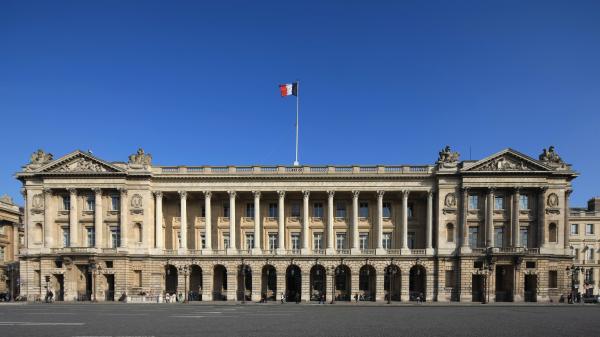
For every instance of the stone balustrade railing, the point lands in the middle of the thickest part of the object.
(217, 170)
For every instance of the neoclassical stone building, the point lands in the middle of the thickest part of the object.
(11, 234)
(584, 224)
(491, 229)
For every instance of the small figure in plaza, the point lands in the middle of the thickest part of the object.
(282, 297)
(297, 298)
(356, 297)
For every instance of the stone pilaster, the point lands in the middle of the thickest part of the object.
(257, 226)
(489, 218)
(464, 225)
(183, 219)
(355, 245)
(158, 227)
(305, 221)
(232, 230)
(429, 223)
(516, 228)
(48, 219)
(124, 218)
(380, 221)
(281, 221)
(73, 219)
(405, 221)
(330, 219)
(98, 218)
(208, 220)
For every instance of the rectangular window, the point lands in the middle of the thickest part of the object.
(203, 211)
(364, 240)
(473, 237)
(473, 201)
(250, 210)
(90, 203)
(226, 241)
(409, 210)
(449, 281)
(552, 279)
(318, 210)
(115, 203)
(499, 236)
(273, 210)
(317, 241)
(340, 209)
(115, 237)
(412, 240)
(499, 202)
(589, 254)
(1, 254)
(363, 209)
(249, 240)
(574, 229)
(202, 240)
(589, 229)
(226, 209)
(296, 209)
(340, 240)
(91, 236)
(386, 240)
(524, 236)
(273, 242)
(387, 209)
(66, 237)
(523, 201)
(37, 278)
(295, 241)
(66, 202)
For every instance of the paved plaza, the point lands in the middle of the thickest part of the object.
(297, 320)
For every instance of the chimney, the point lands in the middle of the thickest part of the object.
(594, 204)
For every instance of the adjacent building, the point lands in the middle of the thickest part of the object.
(495, 229)
(11, 235)
(584, 242)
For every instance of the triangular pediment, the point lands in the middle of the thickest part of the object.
(79, 162)
(507, 160)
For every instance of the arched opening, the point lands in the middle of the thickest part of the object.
(293, 283)
(366, 283)
(552, 233)
(450, 232)
(392, 282)
(317, 282)
(195, 283)
(244, 282)
(39, 232)
(342, 283)
(269, 283)
(137, 232)
(171, 279)
(220, 283)
(417, 283)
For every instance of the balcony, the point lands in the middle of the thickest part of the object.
(79, 250)
(318, 251)
(294, 170)
(293, 219)
(293, 252)
(367, 251)
(342, 251)
(418, 252)
(393, 251)
(247, 219)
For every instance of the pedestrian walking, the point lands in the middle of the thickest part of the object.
(282, 297)
(297, 298)
(356, 297)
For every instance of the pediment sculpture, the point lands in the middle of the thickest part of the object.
(505, 163)
(81, 164)
(140, 158)
(448, 158)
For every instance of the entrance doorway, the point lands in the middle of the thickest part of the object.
(293, 283)
(504, 283)
(417, 283)
(530, 288)
(366, 282)
(244, 283)
(171, 280)
(478, 288)
(220, 283)
(109, 293)
(59, 287)
(342, 283)
(317, 282)
(195, 283)
(392, 282)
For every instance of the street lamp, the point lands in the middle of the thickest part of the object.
(184, 270)
(486, 270)
(391, 271)
(573, 270)
(334, 271)
(47, 289)
(243, 270)
(94, 269)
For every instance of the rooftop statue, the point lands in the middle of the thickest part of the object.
(140, 158)
(447, 158)
(40, 157)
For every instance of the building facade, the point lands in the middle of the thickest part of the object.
(494, 229)
(11, 235)
(584, 224)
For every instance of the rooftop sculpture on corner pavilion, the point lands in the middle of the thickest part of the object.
(447, 158)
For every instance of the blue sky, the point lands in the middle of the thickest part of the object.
(391, 82)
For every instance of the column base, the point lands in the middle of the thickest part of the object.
(207, 251)
(330, 251)
(232, 251)
(405, 251)
(256, 251)
(381, 251)
(280, 251)
(305, 251)
(182, 251)
(429, 251)
(355, 251)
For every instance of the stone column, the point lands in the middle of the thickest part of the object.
(330, 219)
(516, 230)
(158, 228)
(26, 221)
(257, 232)
(429, 228)
(405, 221)
(305, 221)
(183, 219)
(48, 219)
(489, 218)
(541, 220)
(281, 221)
(380, 220)
(232, 232)
(566, 211)
(73, 219)
(123, 213)
(355, 245)
(208, 220)
(98, 218)
(464, 226)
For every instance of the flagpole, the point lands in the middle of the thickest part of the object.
(296, 162)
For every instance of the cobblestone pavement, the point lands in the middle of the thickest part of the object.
(290, 319)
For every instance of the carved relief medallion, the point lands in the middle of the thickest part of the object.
(450, 200)
(552, 200)
(136, 201)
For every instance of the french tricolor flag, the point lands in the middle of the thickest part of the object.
(289, 89)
